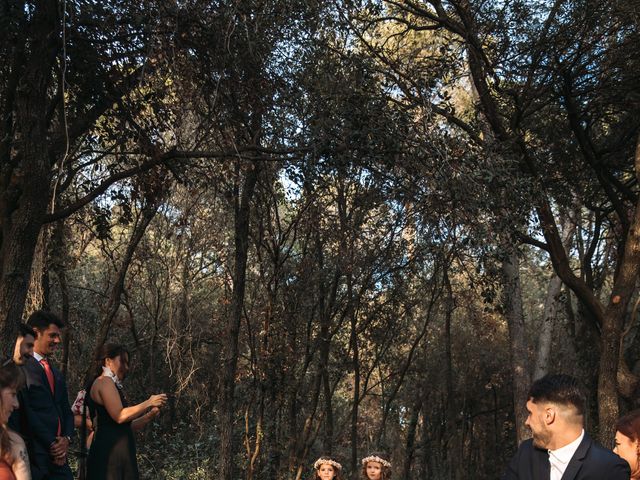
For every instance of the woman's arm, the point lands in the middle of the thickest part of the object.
(20, 465)
(141, 422)
(104, 391)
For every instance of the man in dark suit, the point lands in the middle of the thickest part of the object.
(560, 449)
(44, 418)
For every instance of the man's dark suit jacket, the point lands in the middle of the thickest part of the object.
(37, 419)
(590, 462)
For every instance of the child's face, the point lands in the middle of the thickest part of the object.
(374, 471)
(326, 472)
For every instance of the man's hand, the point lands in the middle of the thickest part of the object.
(59, 449)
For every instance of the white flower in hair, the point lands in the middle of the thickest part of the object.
(375, 458)
(326, 461)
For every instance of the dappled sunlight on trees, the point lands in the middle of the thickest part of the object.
(328, 227)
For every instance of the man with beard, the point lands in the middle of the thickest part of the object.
(23, 348)
(560, 448)
(44, 418)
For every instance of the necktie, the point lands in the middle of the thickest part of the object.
(49, 374)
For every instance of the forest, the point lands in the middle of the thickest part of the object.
(319, 226)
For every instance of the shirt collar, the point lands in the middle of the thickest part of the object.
(564, 454)
(37, 356)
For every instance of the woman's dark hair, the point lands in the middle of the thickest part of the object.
(629, 426)
(10, 377)
(385, 473)
(329, 458)
(108, 350)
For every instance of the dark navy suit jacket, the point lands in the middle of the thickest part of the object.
(37, 418)
(590, 462)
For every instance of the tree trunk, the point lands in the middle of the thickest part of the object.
(613, 321)
(517, 338)
(551, 307)
(253, 451)
(448, 360)
(113, 305)
(411, 440)
(64, 294)
(545, 337)
(242, 210)
(326, 303)
(356, 390)
(25, 182)
(35, 299)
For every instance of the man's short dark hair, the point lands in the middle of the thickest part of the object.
(24, 330)
(41, 320)
(559, 389)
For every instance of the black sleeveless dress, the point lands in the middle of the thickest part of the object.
(112, 455)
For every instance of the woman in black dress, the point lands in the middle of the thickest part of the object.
(113, 452)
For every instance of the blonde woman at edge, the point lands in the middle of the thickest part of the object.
(14, 462)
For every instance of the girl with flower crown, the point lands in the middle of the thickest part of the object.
(376, 467)
(327, 468)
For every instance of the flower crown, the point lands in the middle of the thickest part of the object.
(326, 461)
(375, 458)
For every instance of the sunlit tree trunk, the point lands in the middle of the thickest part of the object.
(551, 307)
(517, 338)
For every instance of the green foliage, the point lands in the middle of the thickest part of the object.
(387, 195)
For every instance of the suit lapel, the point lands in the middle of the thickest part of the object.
(541, 466)
(575, 464)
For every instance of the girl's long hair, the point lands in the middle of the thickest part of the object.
(10, 377)
(385, 471)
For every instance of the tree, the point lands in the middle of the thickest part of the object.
(518, 84)
(65, 65)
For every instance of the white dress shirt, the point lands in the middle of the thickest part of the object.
(560, 458)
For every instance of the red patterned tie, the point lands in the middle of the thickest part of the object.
(49, 374)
